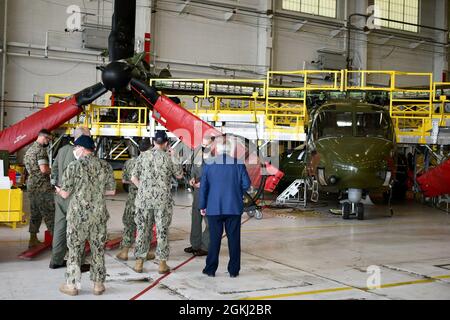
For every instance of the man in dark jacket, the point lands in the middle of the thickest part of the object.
(223, 184)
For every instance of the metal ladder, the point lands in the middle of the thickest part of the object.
(296, 193)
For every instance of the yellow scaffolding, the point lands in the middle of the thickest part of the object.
(91, 117)
(415, 101)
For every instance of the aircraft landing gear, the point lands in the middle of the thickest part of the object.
(346, 210)
(349, 209)
(353, 206)
(360, 211)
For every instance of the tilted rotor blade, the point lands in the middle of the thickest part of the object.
(121, 39)
(26, 131)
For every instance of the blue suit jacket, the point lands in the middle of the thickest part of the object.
(222, 186)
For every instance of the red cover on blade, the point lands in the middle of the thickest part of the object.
(26, 131)
(190, 129)
(436, 181)
(186, 126)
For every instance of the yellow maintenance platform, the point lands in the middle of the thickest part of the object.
(276, 108)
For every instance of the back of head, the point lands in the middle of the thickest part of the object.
(145, 145)
(81, 131)
(85, 142)
(161, 137)
(45, 132)
(176, 100)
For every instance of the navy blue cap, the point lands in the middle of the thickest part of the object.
(161, 137)
(85, 142)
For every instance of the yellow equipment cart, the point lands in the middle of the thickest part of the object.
(11, 207)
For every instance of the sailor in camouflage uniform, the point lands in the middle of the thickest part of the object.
(59, 244)
(87, 181)
(130, 209)
(153, 175)
(38, 186)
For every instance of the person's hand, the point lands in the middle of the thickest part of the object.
(203, 212)
(58, 189)
(192, 182)
(197, 185)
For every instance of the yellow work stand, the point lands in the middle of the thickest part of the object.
(11, 207)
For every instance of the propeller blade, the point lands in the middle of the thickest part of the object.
(89, 95)
(121, 39)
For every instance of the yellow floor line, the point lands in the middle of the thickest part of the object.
(285, 295)
(442, 277)
(388, 285)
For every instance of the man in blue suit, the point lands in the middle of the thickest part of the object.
(222, 186)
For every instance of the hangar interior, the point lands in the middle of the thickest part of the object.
(344, 104)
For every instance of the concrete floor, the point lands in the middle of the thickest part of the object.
(286, 255)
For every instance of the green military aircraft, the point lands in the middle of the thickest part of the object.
(350, 150)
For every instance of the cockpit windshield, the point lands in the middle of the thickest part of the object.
(334, 124)
(375, 124)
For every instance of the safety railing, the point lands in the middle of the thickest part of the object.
(118, 121)
(415, 101)
(80, 120)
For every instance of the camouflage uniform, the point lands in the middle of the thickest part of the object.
(129, 226)
(39, 188)
(87, 180)
(154, 202)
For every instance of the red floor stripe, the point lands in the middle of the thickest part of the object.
(162, 277)
(155, 283)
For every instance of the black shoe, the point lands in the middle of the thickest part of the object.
(209, 274)
(57, 266)
(189, 250)
(85, 267)
(234, 275)
(200, 253)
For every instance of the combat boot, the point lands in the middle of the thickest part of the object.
(69, 289)
(163, 267)
(33, 241)
(123, 254)
(150, 255)
(139, 267)
(99, 288)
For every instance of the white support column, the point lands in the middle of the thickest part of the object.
(153, 31)
(440, 61)
(265, 35)
(143, 18)
(359, 42)
(3, 70)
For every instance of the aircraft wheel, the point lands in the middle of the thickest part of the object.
(346, 209)
(258, 214)
(360, 211)
(251, 214)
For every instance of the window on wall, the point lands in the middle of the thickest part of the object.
(326, 8)
(399, 10)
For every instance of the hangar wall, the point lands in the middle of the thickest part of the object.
(203, 39)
